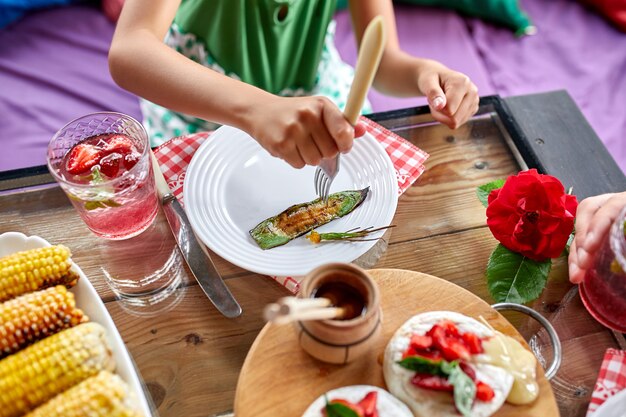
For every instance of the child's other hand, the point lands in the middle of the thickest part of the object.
(303, 130)
(452, 96)
(594, 217)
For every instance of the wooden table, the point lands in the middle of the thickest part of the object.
(190, 356)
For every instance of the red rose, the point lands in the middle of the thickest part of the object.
(532, 215)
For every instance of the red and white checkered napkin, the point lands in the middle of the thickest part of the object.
(408, 160)
(611, 379)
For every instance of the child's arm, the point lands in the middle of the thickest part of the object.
(452, 97)
(299, 130)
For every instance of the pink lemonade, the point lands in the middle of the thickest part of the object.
(109, 180)
(603, 290)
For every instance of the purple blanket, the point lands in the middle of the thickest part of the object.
(53, 68)
(575, 50)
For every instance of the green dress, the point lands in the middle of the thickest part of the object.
(285, 47)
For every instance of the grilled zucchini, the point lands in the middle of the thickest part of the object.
(302, 218)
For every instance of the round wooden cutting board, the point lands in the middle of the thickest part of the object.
(279, 379)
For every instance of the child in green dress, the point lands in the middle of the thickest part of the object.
(268, 67)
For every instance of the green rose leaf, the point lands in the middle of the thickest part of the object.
(484, 190)
(514, 278)
(464, 390)
(339, 410)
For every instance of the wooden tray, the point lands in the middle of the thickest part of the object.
(279, 378)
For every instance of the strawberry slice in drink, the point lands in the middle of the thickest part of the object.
(110, 164)
(131, 160)
(82, 158)
(121, 144)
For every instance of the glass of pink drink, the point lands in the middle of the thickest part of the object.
(603, 291)
(102, 162)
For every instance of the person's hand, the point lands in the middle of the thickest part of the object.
(452, 96)
(594, 217)
(303, 130)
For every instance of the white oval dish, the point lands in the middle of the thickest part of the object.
(88, 300)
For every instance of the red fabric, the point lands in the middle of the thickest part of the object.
(611, 379)
(613, 10)
(532, 215)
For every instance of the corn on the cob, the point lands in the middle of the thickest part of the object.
(35, 269)
(103, 395)
(34, 316)
(34, 375)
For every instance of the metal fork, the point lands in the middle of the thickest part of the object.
(324, 176)
(370, 51)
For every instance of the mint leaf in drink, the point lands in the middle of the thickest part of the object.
(96, 176)
(464, 390)
(484, 190)
(92, 205)
(103, 199)
(514, 278)
(338, 410)
(96, 204)
(111, 203)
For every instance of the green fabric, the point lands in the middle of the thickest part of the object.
(333, 80)
(272, 44)
(504, 12)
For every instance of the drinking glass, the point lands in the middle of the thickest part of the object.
(116, 207)
(603, 290)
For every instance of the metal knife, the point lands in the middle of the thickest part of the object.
(198, 260)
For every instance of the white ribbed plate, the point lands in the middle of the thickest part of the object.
(88, 300)
(232, 184)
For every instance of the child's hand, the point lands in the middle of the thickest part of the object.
(452, 97)
(594, 217)
(303, 130)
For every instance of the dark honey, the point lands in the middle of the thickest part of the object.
(343, 296)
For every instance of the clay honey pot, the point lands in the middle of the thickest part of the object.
(341, 340)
